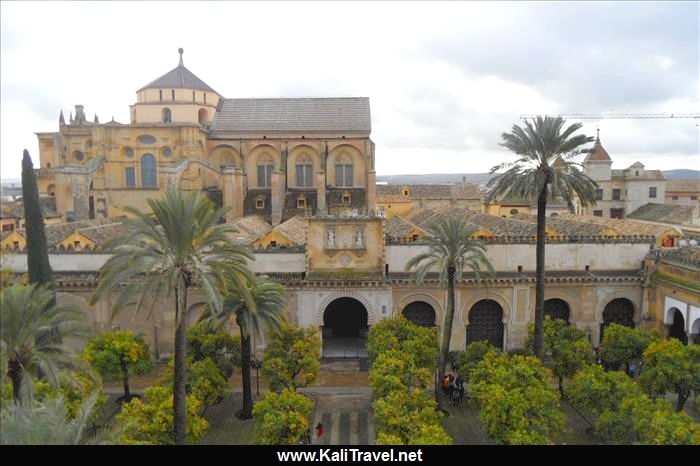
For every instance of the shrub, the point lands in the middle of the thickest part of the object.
(394, 370)
(204, 381)
(472, 356)
(206, 341)
(293, 358)
(283, 419)
(151, 422)
(621, 345)
(405, 417)
(518, 405)
(400, 334)
(74, 388)
(117, 355)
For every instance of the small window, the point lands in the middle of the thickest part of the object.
(514, 211)
(652, 192)
(173, 94)
(167, 116)
(616, 194)
(8, 227)
(48, 165)
(597, 213)
(304, 175)
(273, 244)
(675, 198)
(146, 139)
(598, 194)
(405, 193)
(415, 238)
(193, 96)
(301, 203)
(160, 94)
(636, 173)
(693, 198)
(167, 152)
(15, 244)
(346, 199)
(129, 152)
(260, 204)
(76, 244)
(78, 155)
(205, 97)
(129, 177)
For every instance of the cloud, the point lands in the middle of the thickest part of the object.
(445, 79)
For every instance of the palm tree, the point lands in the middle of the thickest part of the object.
(268, 314)
(545, 169)
(48, 424)
(450, 251)
(27, 313)
(179, 245)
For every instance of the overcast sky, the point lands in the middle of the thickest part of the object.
(444, 79)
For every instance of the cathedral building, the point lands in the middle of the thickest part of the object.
(274, 157)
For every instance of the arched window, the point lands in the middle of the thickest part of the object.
(265, 167)
(167, 116)
(304, 168)
(148, 171)
(343, 172)
(203, 116)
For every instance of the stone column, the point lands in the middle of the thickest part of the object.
(371, 191)
(321, 192)
(277, 196)
(233, 193)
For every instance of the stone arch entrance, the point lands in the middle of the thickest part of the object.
(677, 328)
(618, 311)
(345, 326)
(557, 308)
(486, 323)
(420, 313)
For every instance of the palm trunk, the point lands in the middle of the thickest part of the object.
(561, 387)
(682, 398)
(247, 410)
(539, 276)
(180, 377)
(14, 372)
(125, 379)
(446, 332)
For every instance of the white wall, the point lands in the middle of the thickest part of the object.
(507, 257)
(264, 263)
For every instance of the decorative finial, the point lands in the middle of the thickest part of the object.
(61, 119)
(597, 138)
(181, 51)
(97, 120)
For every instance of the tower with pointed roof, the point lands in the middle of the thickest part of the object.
(598, 164)
(177, 97)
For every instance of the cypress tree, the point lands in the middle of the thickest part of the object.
(37, 250)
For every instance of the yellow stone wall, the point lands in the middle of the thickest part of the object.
(344, 254)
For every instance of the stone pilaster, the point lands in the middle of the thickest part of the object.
(277, 196)
(233, 192)
(321, 192)
(371, 191)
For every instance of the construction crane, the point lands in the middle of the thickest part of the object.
(619, 116)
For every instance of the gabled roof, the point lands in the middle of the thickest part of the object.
(250, 228)
(598, 154)
(459, 191)
(294, 229)
(179, 78)
(294, 114)
(683, 186)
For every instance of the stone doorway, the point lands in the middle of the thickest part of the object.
(345, 329)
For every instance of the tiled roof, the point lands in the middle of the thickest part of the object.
(294, 229)
(628, 175)
(250, 228)
(460, 191)
(687, 254)
(16, 209)
(599, 154)
(665, 213)
(398, 227)
(499, 226)
(293, 114)
(568, 226)
(683, 186)
(178, 78)
(624, 227)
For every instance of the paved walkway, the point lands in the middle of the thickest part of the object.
(346, 415)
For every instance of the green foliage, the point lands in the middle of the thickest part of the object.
(26, 313)
(518, 405)
(74, 388)
(394, 370)
(283, 418)
(469, 359)
(408, 417)
(568, 347)
(151, 423)
(48, 423)
(206, 341)
(402, 335)
(403, 360)
(641, 420)
(670, 366)
(37, 249)
(205, 382)
(596, 390)
(293, 358)
(621, 345)
(118, 354)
